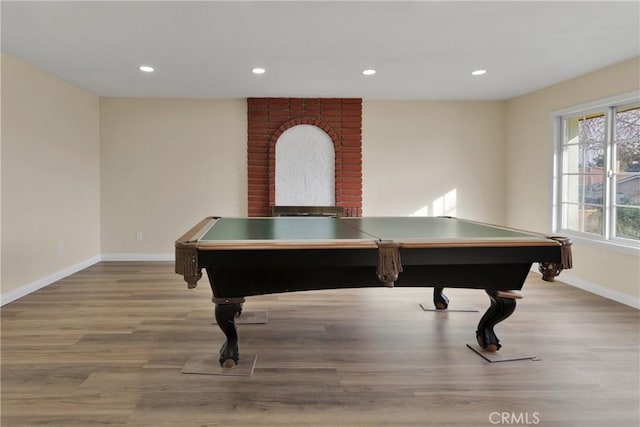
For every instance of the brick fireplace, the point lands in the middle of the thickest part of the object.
(269, 118)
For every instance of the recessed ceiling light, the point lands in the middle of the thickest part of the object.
(146, 68)
(258, 70)
(369, 72)
(478, 72)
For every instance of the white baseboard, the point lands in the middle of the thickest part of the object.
(585, 285)
(138, 257)
(24, 290)
(611, 294)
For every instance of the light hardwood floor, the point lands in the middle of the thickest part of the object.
(106, 346)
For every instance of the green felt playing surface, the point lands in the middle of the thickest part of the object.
(432, 228)
(283, 228)
(369, 229)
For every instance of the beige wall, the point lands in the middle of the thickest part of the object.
(50, 175)
(1, 61)
(434, 158)
(529, 170)
(166, 164)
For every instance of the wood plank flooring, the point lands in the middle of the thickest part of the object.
(106, 346)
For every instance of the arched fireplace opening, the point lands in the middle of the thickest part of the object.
(305, 168)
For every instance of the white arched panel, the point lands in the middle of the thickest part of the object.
(305, 167)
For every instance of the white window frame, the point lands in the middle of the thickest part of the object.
(607, 239)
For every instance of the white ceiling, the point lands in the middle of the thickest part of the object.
(422, 50)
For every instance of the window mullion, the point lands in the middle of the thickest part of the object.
(606, 209)
(609, 222)
(560, 171)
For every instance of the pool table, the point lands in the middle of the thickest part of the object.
(255, 256)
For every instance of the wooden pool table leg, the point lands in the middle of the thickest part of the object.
(227, 310)
(440, 300)
(503, 304)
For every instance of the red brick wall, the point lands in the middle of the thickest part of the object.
(340, 118)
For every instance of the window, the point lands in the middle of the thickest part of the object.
(597, 175)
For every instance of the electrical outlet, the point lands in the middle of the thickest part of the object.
(138, 236)
(60, 249)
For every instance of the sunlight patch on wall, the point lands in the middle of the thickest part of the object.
(423, 211)
(446, 204)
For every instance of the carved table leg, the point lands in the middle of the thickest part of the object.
(440, 300)
(503, 303)
(226, 312)
(549, 270)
